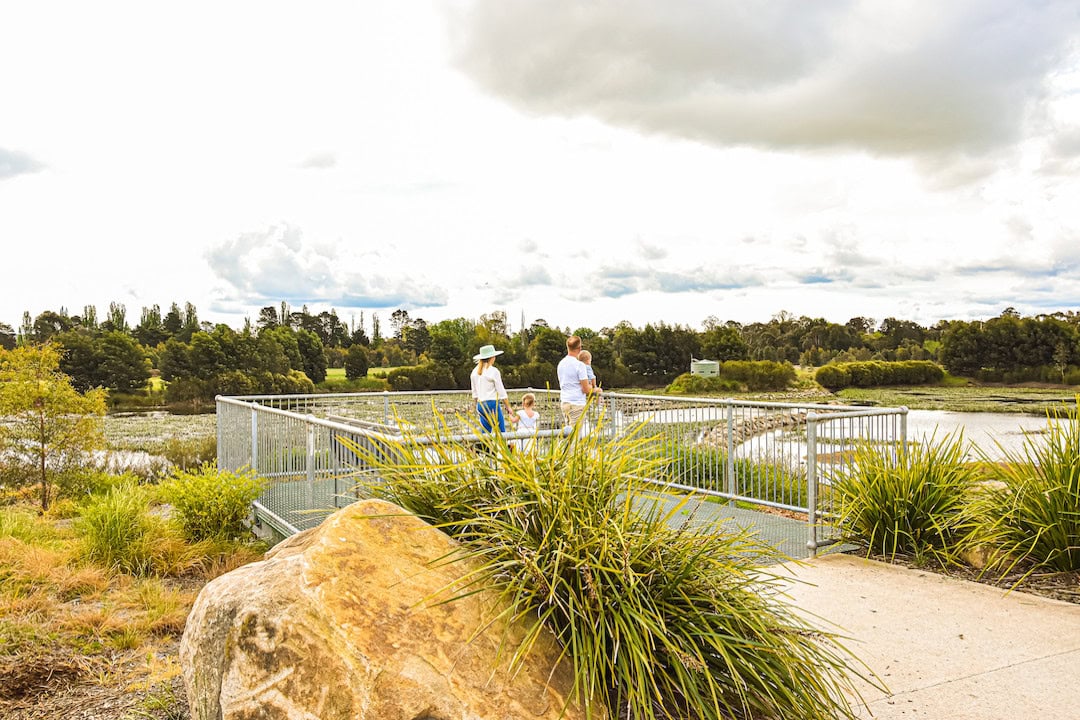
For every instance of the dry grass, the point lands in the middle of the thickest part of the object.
(70, 629)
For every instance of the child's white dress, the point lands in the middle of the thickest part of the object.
(531, 424)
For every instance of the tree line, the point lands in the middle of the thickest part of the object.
(285, 350)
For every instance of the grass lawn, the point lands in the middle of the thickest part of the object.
(337, 382)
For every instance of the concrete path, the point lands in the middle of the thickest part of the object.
(947, 649)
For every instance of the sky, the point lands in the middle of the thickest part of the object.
(580, 162)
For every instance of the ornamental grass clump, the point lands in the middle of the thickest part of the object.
(659, 619)
(1033, 517)
(908, 500)
(118, 531)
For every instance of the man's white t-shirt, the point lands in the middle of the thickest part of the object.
(571, 372)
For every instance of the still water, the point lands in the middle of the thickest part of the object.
(993, 433)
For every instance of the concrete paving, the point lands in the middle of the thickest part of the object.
(947, 649)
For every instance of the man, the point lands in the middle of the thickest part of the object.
(574, 385)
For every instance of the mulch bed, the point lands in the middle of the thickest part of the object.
(1062, 586)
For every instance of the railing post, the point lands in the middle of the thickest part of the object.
(311, 460)
(254, 439)
(729, 461)
(386, 407)
(811, 484)
(220, 411)
(903, 429)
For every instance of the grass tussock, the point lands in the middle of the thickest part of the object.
(659, 620)
(907, 500)
(1031, 517)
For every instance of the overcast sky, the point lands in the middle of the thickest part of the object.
(581, 162)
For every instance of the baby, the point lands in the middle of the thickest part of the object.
(586, 357)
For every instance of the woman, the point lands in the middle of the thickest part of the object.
(488, 390)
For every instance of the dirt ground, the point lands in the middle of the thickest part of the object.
(52, 687)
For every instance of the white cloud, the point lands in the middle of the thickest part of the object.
(279, 264)
(13, 162)
(906, 79)
(582, 162)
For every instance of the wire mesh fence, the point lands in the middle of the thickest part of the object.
(765, 463)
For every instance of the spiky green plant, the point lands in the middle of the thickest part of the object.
(659, 619)
(908, 501)
(1033, 517)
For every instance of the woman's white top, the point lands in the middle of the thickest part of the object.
(488, 386)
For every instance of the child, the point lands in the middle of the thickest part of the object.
(527, 419)
(586, 357)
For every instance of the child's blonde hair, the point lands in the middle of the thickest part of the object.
(527, 400)
(585, 356)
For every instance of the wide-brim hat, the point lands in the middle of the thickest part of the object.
(487, 351)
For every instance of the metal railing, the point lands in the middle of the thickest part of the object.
(772, 457)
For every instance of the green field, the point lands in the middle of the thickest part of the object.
(337, 382)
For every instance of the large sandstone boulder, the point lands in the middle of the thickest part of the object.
(343, 621)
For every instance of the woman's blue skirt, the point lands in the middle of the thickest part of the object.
(491, 414)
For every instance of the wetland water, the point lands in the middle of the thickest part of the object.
(990, 432)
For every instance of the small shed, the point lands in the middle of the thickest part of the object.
(705, 368)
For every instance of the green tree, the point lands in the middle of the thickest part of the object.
(963, 348)
(399, 320)
(445, 349)
(207, 357)
(123, 365)
(175, 360)
(312, 356)
(548, 346)
(111, 360)
(356, 362)
(723, 342)
(190, 323)
(49, 324)
(150, 331)
(173, 322)
(117, 319)
(47, 420)
(417, 337)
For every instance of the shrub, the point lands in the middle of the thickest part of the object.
(833, 377)
(233, 382)
(759, 375)
(210, 503)
(657, 621)
(687, 384)
(1035, 516)
(874, 373)
(429, 376)
(908, 501)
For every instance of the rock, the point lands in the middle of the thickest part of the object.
(343, 621)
